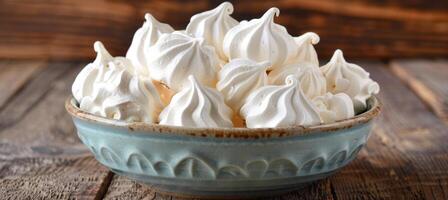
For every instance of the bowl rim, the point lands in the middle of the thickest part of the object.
(243, 133)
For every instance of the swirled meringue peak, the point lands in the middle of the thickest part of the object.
(95, 71)
(305, 48)
(279, 106)
(349, 78)
(238, 78)
(145, 37)
(213, 25)
(108, 87)
(312, 81)
(197, 106)
(260, 40)
(177, 55)
(334, 107)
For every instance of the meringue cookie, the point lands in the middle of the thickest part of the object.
(95, 71)
(312, 81)
(305, 48)
(349, 78)
(238, 78)
(177, 55)
(260, 40)
(197, 106)
(279, 106)
(213, 25)
(108, 87)
(334, 107)
(145, 37)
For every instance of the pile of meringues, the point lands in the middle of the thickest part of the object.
(219, 72)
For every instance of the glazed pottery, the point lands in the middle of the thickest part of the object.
(223, 162)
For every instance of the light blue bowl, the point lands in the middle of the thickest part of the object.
(223, 162)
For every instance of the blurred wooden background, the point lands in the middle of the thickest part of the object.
(378, 29)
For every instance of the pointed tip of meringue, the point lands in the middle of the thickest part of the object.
(148, 17)
(338, 56)
(100, 49)
(102, 55)
(312, 37)
(226, 6)
(98, 46)
(271, 13)
(338, 52)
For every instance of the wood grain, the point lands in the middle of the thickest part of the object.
(64, 29)
(428, 79)
(123, 188)
(13, 75)
(40, 154)
(405, 156)
(362, 28)
(52, 178)
(406, 122)
(32, 93)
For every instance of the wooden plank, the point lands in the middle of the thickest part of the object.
(29, 30)
(40, 155)
(362, 28)
(405, 156)
(13, 75)
(77, 177)
(392, 175)
(124, 188)
(428, 79)
(30, 95)
(406, 121)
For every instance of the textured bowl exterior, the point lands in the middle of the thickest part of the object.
(221, 166)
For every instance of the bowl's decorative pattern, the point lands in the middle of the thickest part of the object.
(216, 166)
(192, 166)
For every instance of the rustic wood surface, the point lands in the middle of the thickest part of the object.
(42, 158)
(428, 79)
(40, 154)
(13, 77)
(66, 29)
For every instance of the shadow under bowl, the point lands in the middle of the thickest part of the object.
(223, 162)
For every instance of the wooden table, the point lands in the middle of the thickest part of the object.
(41, 157)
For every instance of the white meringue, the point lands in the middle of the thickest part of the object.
(334, 107)
(145, 37)
(305, 49)
(109, 88)
(279, 106)
(238, 78)
(312, 81)
(260, 40)
(177, 55)
(213, 25)
(95, 71)
(349, 78)
(197, 106)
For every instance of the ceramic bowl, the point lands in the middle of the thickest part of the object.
(223, 162)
